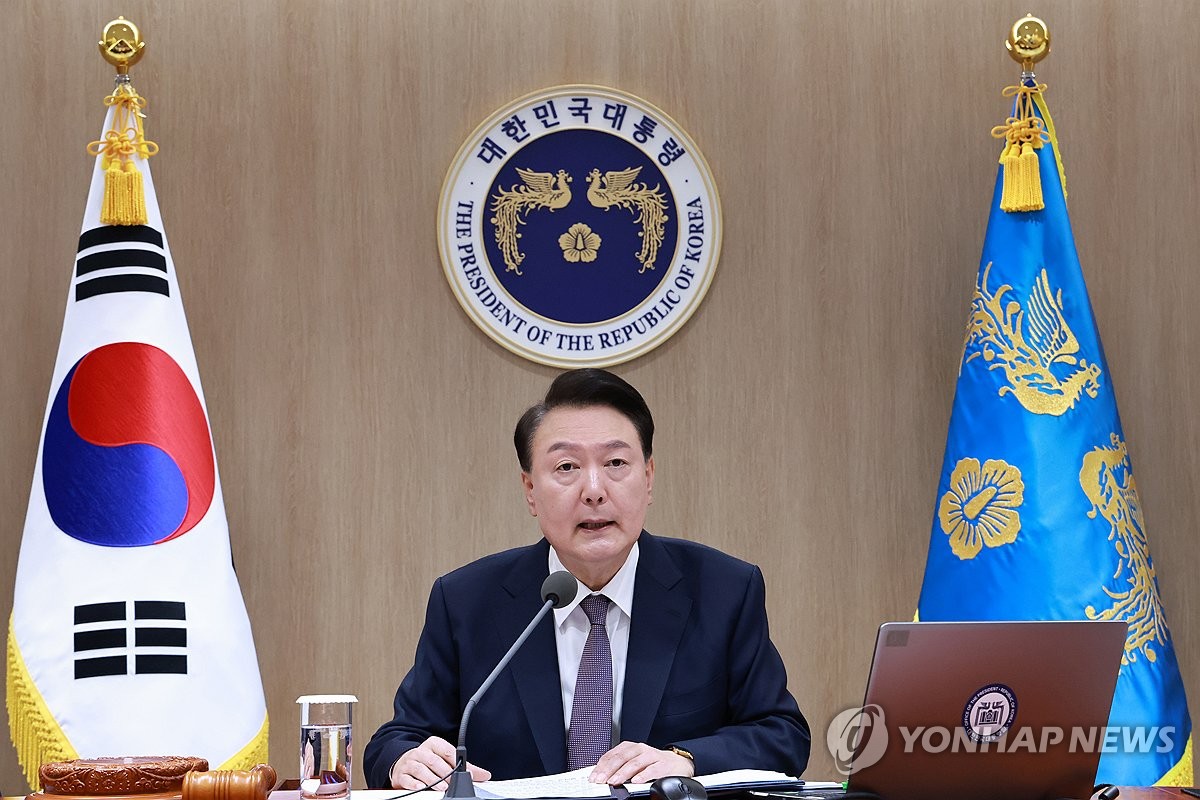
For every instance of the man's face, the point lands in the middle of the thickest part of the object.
(589, 486)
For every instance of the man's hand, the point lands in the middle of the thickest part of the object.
(635, 762)
(429, 764)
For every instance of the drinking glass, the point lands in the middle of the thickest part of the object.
(325, 752)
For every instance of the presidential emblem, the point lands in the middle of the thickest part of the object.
(579, 226)
(989, 713)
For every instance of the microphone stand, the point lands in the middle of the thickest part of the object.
(460, 783)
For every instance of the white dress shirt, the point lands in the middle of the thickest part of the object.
(571, 630)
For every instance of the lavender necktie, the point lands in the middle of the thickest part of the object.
(590, 734)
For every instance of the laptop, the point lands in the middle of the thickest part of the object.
(985, 710)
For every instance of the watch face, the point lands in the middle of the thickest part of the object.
(579, 226)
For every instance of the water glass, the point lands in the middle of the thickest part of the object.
(325, 725)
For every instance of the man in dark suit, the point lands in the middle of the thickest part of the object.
(661, 666)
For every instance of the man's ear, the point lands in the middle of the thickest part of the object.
(650, 480)
(527, 482)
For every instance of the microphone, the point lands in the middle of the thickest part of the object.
(558, 590)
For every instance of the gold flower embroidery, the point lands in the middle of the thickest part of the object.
(579, 243)
(981, 506)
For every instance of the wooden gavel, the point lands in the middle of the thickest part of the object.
(233, 784)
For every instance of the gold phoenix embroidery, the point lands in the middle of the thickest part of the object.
(1107, 479)
(617, 188)
(981, 505)
(579, 243)
(541, 190)
(1025, 342)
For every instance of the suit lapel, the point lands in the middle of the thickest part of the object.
(660, 611)
(534, 668)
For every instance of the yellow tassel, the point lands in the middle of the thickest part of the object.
(1024, 134)
(1031, 179)
(124, 195)
(1022, 179)
(124, 200)
(1011, 163)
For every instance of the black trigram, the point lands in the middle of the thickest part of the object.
(157, 649)
(123, 267)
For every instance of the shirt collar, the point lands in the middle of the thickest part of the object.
(619, 590)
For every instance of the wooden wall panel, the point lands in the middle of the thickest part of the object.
(362, 423)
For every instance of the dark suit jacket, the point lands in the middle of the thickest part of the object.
(701, 674)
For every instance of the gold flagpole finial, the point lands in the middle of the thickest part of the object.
(121, 44)
(1028, 42)
(124, 142)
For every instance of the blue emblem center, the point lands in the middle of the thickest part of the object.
(580, 262)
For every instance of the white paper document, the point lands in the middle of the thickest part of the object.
(564, 784)
(576, 784)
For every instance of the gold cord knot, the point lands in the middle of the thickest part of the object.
(124, 141)
(1025, 134)
(1025, 127)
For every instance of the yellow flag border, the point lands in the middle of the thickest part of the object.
(1040, 102)
(1182, 774)
(254, 753)
(35, 733)
(39, 739)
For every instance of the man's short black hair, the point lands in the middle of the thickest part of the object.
(582, 388)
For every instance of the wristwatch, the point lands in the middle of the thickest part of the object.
(679, 751)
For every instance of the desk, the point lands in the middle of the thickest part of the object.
(1127, 793)
(1152, 793)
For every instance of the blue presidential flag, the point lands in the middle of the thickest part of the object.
(1037, 512)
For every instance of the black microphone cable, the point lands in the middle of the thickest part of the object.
(427, 787)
